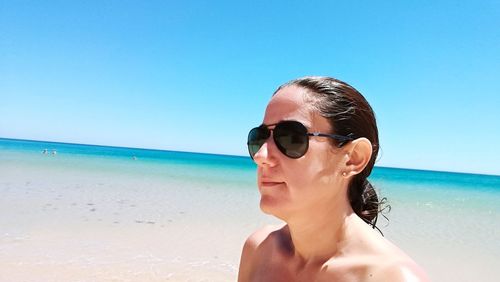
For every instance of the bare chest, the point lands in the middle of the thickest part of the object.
(285, 270)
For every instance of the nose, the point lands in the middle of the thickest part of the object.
(265, 156)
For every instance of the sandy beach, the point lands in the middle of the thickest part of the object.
(63, 226)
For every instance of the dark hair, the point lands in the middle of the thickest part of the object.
(349, 114)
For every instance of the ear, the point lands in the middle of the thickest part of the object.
(358, 155)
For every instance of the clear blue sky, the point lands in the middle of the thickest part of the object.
(197, 75)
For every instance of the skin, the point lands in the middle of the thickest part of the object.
(323, 239)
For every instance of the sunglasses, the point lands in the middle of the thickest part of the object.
(291, 138)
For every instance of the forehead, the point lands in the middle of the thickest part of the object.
(290, 103)
(287, 103)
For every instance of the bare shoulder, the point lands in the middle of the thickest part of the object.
(371, 257)
(372, 269)
(249, 253)
(393, 264)
(389, 263)
(256, 238)
(400, 270)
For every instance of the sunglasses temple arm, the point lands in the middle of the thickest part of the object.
(334, 136)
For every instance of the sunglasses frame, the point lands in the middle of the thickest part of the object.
(341, 138)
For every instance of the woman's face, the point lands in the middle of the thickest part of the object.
(289, 186)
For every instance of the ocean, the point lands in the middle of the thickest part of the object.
(179, 215)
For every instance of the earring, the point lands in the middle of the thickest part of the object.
(344, 174)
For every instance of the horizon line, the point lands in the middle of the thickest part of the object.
(226, 155)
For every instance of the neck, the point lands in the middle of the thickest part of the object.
(319, 239)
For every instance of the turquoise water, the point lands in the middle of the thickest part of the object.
(130, 161)
(416, 186)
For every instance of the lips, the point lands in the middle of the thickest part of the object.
(269, 179)
(269, 183)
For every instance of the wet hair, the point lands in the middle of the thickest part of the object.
(349, 114)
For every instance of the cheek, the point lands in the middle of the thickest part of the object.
(306, 177)
(316, 174)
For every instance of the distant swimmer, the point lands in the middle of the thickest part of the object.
(54, 152)
(134, 158)
(45, 151)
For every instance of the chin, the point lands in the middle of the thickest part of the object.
(272, 207)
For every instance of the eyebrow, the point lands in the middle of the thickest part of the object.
(306, 124)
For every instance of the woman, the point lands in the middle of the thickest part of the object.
(314, 151)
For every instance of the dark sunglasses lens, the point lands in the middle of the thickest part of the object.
(256, 138)
(291, 138)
